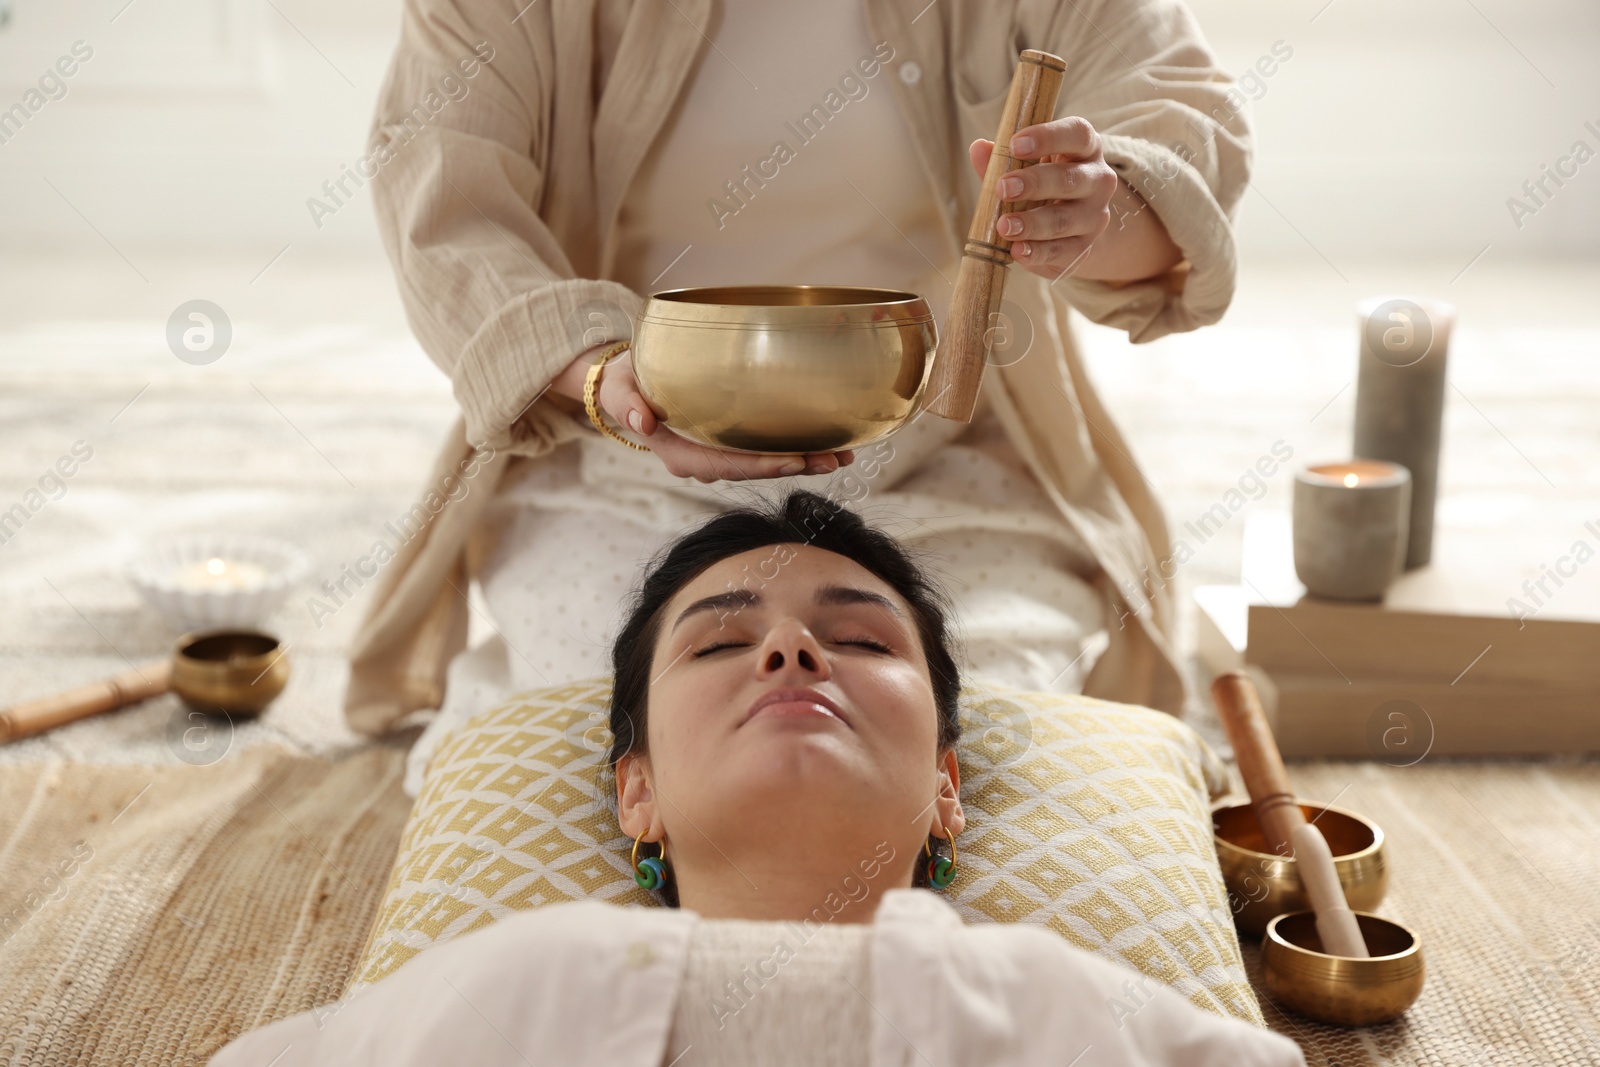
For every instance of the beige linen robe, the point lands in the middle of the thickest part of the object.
(592, 983)
(506, 136)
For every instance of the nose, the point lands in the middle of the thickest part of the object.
(791, 647)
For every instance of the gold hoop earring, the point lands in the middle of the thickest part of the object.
(650, 872)
(941, 871)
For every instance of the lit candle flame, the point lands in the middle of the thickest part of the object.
(1351, 480)
(215, 565)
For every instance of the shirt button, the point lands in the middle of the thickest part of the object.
(640, 955)
(910, 72)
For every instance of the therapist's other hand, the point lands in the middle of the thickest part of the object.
(1070, 181)
(619, 397)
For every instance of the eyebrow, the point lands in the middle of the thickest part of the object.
(736, 599)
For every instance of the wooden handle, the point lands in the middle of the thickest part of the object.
(45, 713)
(1282, 822)
(1260, 765)
(952, 390)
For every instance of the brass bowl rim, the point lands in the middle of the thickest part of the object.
(684, 295)
(840, 306)
(1272, 935)
(787, 327)
(241, 664)
(1348, 857)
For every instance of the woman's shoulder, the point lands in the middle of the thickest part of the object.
(593, 929)
(1031, 953)
(922, 909)
(1055, 992)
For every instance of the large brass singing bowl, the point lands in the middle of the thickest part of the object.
(1342, 990)
(784, 368)
(1262, 885)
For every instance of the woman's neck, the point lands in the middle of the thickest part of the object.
(828, 885)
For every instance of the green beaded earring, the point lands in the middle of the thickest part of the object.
(942, 870)
(650, 872)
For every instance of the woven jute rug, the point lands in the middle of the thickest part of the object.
(150, 915)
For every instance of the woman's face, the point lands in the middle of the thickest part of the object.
(726, 777)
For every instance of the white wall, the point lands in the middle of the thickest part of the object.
(1395, 130)
(1400, 127)
(197, 123)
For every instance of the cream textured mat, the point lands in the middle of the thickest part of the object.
(173, 908)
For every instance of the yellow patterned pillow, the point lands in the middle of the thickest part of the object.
(1085, 816)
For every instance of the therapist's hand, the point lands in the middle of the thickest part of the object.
(620, 398)
(1075, 195)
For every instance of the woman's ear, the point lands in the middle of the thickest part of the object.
(636, 798)
(947, 806)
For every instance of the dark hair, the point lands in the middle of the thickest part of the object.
(801, 517)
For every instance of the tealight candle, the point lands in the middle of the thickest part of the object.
(219, 575)
(1351, 524)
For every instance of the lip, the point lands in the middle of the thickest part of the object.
(805, 694)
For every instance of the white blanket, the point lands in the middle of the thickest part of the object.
(594, 983)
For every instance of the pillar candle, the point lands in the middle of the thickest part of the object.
(1400, 399)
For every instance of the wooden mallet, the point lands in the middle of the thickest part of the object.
(952, 390)
(46, 713)
(1282, 822)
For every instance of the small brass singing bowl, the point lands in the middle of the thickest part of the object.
(1262, 884)
(784, 368)
(231, 672)
(1342, 990)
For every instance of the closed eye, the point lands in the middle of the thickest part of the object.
(865, 642)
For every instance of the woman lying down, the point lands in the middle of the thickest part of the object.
(784, 722)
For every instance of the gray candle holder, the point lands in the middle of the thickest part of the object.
(1400, 400)
(1351, 526)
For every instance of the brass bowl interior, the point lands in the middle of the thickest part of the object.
(1347, 833)
(229, 648)
(785, 295)
(1385, 939)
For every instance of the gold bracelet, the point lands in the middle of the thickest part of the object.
(591, 385)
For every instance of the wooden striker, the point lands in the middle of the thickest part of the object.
(952, 390)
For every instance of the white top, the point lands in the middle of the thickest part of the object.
(852, 207)
(588, 982)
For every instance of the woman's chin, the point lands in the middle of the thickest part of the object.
(789, 754)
